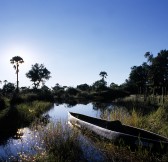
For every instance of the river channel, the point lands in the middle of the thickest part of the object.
(58, 112)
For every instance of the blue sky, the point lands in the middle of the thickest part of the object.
(76, 39)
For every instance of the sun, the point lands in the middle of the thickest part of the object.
(7, 71)
(19, 50)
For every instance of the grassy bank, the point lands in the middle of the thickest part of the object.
(154, 120)
(152, 115)
(24, 106)
(30, 111)
(20, 115)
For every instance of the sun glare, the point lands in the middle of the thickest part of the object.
(26, 54)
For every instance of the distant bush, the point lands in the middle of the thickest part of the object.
(72, 91)
(84, 95)
(83, 87)
(110, 94)
(45, 95)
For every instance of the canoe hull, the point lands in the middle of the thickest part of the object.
(134, 142)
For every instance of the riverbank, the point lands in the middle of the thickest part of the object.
(20, 115)
(155, 120)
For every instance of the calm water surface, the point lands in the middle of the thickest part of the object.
(57, 112)
(61, 111)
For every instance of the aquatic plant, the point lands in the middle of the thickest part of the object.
(55, 142)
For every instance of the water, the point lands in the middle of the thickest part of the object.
(61, 111)
(56, 113)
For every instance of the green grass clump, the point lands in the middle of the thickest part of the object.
(124, 153)
(155, 121)
(32, 110)
(3, 113)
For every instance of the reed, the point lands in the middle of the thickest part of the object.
(124, 153)
(55, 143)
(155, 121)
(31, 110)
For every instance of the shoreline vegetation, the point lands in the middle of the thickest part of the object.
(20, 116)
(60, 140)
(23, 109)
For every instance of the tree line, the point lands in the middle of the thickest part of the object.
(37, 74)
(151, 77)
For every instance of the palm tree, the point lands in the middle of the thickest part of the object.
(16, 61)
(103, 74)
(5, 81)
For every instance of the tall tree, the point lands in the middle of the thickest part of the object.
(158, 70)
(103, 74)
(139, 76)
(16, 60)
(151, 75)
(38, 74)
(149, 57)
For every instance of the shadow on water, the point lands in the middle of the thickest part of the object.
(9, 126)
(12, 122)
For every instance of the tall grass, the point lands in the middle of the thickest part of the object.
(4, 105)
(155, 121)
(56, 143)
(125, 154)
(30, 111)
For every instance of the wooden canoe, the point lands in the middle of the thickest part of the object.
(120, 133)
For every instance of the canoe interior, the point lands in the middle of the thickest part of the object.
(117, 126)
